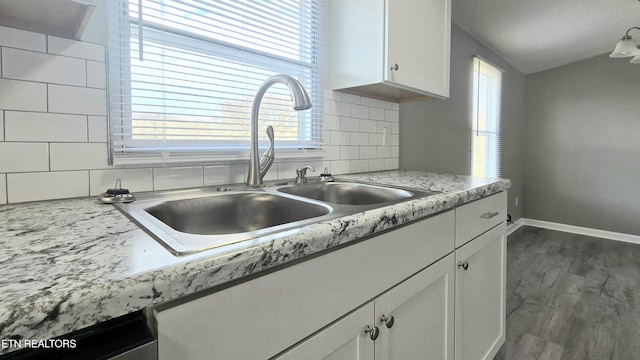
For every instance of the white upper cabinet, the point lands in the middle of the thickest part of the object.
(391, 49)
(64, 18)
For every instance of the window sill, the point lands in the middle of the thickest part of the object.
(209, 159)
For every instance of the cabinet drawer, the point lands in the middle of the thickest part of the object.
(479, 216)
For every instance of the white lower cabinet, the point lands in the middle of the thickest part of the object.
(480, 296)
(260, 318)
(417, 296)
(414, 320)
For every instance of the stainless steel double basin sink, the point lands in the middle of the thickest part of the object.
(190, 221)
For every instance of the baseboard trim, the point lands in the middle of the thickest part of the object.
(610, 235)
(511, 228)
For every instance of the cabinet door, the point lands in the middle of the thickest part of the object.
(480, 296)
(344, 340)
(422, 309)
(418, 41)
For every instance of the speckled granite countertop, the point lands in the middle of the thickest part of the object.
(69, 264)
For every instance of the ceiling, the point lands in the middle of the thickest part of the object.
(536, 35)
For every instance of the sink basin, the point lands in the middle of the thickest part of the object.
(233, 213)
(348, 193)
(190, 221)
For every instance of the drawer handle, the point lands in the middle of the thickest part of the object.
(464, 265)
(489, 215)
(372, 331)
(387, 320)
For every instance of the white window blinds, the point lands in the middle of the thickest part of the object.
(183, 74)
(486, 108)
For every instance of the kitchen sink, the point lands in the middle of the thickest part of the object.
(233, 213)
(190, 221)
(347, 193)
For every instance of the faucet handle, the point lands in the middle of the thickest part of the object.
(301, 174)
(266, 160)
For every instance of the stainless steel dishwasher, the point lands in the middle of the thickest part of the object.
(124, 338)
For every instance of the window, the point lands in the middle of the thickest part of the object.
(486, 103)
(183, 74)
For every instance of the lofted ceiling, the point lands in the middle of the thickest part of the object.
(536, 35)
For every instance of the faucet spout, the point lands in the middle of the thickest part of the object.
(258, 167)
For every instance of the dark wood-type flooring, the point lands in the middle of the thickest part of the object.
(571, 297)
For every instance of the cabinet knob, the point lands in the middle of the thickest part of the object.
(464, 265)
(387, 320)
(372, 331)
(395, 67)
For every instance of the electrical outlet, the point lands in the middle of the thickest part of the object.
(386, 136)
(516, 201)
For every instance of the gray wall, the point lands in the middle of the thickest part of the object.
(435, 135)
(582, 153)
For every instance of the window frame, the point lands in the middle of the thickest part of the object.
(309, 142)
(492, 76)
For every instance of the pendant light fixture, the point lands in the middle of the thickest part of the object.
(626, 47)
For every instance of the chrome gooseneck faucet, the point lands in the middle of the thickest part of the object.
(259, 167)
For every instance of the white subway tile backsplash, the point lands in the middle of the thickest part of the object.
(78, 49)
(97, 128)
(178, 177)
(395, 140)
(136, 180)
(376, 164)
(339, 108)
(368, 152)
(375, 139)
(23, 157)
(224, 174)
(78, 156)
(340, 138)
(395, 151)
(77, 100)
(358, 138)
(358, 166)
(23, 95)
(22, 39)
(381, 125)
(96, 75)
(331, 151)
(368, 126)
(385, 104)
(33, 126)
(331, 122)
(349, 152)
(287, 170)
(359, 111)
(53, 121)
(376, 113)
(41, 67)
(3, 188)
(391, 163)
(349, 124)
(337, 167)
(369, 102)
(47, 185)
(392, 115)
(383, 152)
(352, 99)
